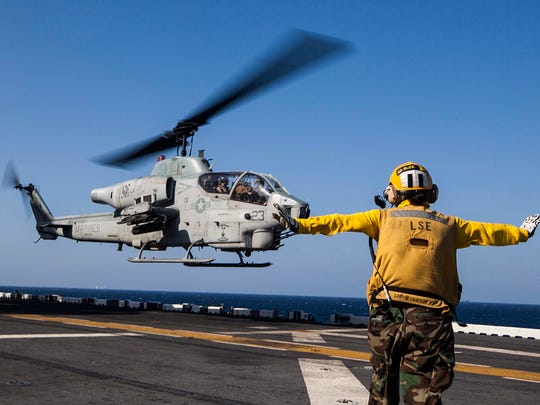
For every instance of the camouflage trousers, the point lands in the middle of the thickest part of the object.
(412, 351)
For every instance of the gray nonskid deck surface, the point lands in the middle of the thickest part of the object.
(47, 361)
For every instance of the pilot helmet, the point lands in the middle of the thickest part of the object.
(411, 180)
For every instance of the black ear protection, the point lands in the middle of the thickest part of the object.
(433, 194)
(395, 197)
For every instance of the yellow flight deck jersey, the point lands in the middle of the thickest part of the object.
(416, 250)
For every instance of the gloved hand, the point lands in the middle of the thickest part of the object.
(285, 219)
(530, 223)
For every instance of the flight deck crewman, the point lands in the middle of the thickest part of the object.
(414, 287)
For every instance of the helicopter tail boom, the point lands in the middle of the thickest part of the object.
(42, 213)
(79, 227)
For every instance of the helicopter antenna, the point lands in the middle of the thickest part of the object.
(178, 144)
(190, 147)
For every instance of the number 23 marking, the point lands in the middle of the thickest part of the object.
(257, 215)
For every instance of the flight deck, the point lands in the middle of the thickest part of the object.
(96, 356)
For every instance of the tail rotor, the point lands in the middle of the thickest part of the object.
(12, 180)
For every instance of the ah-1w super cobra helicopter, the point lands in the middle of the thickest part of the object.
(184, 203)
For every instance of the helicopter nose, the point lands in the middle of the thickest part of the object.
(300, 211)
(296, 207)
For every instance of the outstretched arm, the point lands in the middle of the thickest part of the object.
(285, 219)
(530, 223)
(366, 222)
(487, 234)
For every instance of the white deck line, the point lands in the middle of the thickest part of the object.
(525, 333)
(331, 382)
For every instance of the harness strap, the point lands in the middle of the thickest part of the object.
(416, 292)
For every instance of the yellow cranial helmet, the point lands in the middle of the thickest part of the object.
(411, 176)
(408, 180)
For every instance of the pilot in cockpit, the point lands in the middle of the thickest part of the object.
(223, 185)
(260, 189)
(250, 196)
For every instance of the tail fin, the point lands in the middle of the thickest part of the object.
(42, 213)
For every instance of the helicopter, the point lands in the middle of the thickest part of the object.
(183, 202)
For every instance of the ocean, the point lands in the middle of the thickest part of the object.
(516, 315)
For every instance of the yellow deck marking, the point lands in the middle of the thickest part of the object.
(216, 337)
(271, 344)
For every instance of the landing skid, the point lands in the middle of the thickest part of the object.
(241, 263)
(244, 264)
(190, 261)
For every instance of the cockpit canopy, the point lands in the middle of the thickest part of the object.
(241, 186)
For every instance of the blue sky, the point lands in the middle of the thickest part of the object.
(452, 85)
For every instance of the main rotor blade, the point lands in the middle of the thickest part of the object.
(301, 50)
(124, 156)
